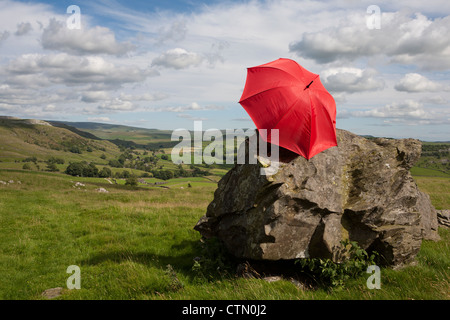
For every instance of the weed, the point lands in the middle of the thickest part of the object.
(329, 273)
(214, 261)
(175, 284)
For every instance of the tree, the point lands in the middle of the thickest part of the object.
(131, 181)
(126, 174)
(115, 164)
(55, 160)
(75, 149)
(105, 173)
(26, 166)
(52, 167)
(82, 169)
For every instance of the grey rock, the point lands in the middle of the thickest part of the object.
(52, 293)
(443, 217)
(361, 190)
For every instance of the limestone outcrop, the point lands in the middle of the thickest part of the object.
(361, 190)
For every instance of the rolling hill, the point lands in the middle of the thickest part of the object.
(152, 138)
(23, 138)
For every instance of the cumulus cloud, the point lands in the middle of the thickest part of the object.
(96, 40)
(94, 96)
(71, 70)
(414, 82)
(144, 97)
(23, 28)
(350, 80)
(50, 107)
(406, 109)
(116, 105)
(3, 36)
(407, 112)
(177, 58)
(435, 100)
(31, 80)
(404, 39)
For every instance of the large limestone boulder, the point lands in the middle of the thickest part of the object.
(361, 190)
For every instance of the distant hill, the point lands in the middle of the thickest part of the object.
(85, 134)
(22, 138)
(121, 135)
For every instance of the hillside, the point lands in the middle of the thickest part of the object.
(140, 137)
(24, 138)
(142, 150)
(40, 145)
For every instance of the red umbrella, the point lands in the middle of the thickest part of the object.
(283, 95)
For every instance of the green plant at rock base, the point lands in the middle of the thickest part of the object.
(214, 261)
(174, 284)
(329, 273)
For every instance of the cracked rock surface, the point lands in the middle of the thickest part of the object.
(361, 190)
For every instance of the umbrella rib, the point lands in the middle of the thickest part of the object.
(282, 70)
(272, 88)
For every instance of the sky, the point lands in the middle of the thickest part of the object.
(165, 64)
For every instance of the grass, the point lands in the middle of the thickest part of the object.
(427, 172)
(140, 244)
(438, 189)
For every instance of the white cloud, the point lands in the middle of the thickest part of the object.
(176, 32)
(414, 82)
(70, 70)
(348, 79)
(194, 106)
(94, 96)
(416, 40)
(3, 36)
(144, 97)
(116, 105)
(95, 40)
(435, 100)
(407, 109)
(191, 117)
(50, 107)
(177, 58)
(99, 119)
(31, 81)
(407, 112)
(23, 28)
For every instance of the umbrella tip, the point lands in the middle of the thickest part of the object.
(308, 85)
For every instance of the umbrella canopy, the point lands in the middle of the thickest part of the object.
(283, 95)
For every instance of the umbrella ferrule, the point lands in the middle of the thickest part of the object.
(308, 85)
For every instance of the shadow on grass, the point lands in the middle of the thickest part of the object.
(182, 258)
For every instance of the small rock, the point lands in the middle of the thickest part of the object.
(11, 181)
(102, 190)
(272, 278)
(297, 283)
(443, 217)
(52, 293)
(2, 182)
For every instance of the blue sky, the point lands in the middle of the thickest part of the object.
(165, 64)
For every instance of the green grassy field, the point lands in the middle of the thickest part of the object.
(140, 244)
